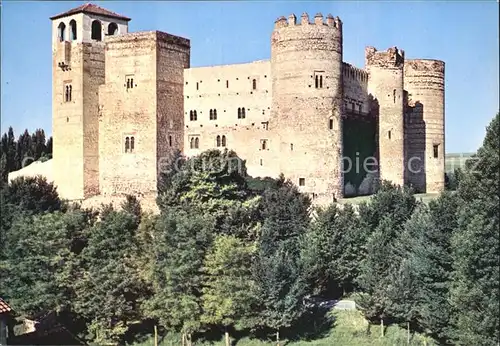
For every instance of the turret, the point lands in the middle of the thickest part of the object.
(385, 84)
(424, 82)
(306, 63)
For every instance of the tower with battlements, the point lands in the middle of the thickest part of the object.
(124, 102)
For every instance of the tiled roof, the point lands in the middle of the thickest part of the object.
(4, 307)
(91, 9)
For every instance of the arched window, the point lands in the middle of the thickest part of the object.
(127, 144)
(223, 141)
(70, 90)
(66, 93)
(61, 31)
(254, 84)
(112, 29)
(132, 142)
(215, 114)
(239, 113)
(195, 116)
(330, 124)
(316, 82)
(197, 142)
(243, 113)
(191, 143)
(72, 29)
(218, 141)
(170, 140)
(211, 115)
(96, 30)
(191, 116)
(320, 81)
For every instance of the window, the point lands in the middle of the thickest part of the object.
(197, 86)
(191, 143)
(217, 141)
(129, 144)
(291, 146)
(112, 29)
(61, 32)
(359, 108)
(254, 84)
(193, 116)
(435, 148)
(330, 124)
(169, 141)
(196, 142)
(389, 134)
(72, 28)
(129, 81)
(227, 84)
(213, 114)
(394, 95)
(265, 125)
(261, 162)
(263, 144)
(302, 181)
(223, 141)
(318, 79)
(67, 92)
(96, 31)
(241, 113)
(352, 106)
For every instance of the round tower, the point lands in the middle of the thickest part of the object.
(424, 82)
(385, 85)
(306, 65)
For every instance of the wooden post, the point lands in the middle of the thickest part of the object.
(156, 335)
(408, 327)
(382, 327)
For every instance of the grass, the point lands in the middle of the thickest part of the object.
(349, 329)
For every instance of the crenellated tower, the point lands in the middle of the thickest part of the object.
(385, 85)
(424, 82)
(77, 71)
(306, 65)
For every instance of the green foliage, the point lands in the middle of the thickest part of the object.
(475, 293)
(179, 246)
(228, 292)
(109, 285)
(332, 249)
(40, 252)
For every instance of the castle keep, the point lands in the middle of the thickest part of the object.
(123, 102)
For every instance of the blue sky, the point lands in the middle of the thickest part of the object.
(463, 34)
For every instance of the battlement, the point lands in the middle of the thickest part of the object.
(424, 65)
(352, 72)
(392, 57)
(329, 21)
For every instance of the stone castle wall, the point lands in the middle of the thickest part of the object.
(282, 115)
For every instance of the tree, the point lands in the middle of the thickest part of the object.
(109, 288)
(39, 254)
(180, 243)
(32, 194)
(333, 249)
(228, 292)
(277, 267)
(475, 246)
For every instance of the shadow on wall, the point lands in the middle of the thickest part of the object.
(415, 147)
(360, 152)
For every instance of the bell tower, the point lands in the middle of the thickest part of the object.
(78, 66)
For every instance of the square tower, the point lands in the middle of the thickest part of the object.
(77, 71)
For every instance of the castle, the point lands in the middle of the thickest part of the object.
(122, 102)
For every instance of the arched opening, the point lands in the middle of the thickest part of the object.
(191, 117)
(191, 143)
(170, 141)
(218, 141)
(243, 113)
(211, 115)
(239, 113)
(127, 144)
(195, 116)
(254, 84)
(223, 141)
(61, 32)
(196, 143)
(215, 114)
(132, 142)
(96, 30)
(112, 29)
(72, 29)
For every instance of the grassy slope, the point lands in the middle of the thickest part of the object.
(350, 329)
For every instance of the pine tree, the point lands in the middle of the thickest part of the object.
(228, 292)
(475, 292)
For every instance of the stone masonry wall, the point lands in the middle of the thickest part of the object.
(129, 112)
(385, 84)
(424, 81)
(306, 63)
